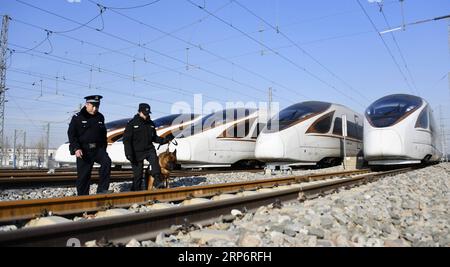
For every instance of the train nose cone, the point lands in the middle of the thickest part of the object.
(63, 154)
(116, 152)
(183, 150)
(383, 143)
(269, 147)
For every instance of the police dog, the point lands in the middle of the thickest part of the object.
(167, 162)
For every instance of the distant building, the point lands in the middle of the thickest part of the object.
(28, 158)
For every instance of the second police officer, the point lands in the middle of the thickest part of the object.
(87, 137)
(138, 139)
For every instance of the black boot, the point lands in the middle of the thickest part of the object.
(158, 183)
(144, 183)
(145, 180)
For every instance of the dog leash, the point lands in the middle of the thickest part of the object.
(174, 142)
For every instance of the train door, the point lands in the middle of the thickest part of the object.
(422, 137)
(353, 132)
(244, 143)
(359, 132)
(219, 149)
(234, 136)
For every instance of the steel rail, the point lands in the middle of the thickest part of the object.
(28, 209)
(27, 180)
(32, 175)
(145, 226)
(52, 180)
(3, 170)
(25, 175)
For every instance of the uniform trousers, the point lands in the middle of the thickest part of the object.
(84, 169)
(140, 182)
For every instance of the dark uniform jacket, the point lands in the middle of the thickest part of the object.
(139, 137)
(85, 129)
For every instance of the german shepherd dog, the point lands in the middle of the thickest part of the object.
(167, 162)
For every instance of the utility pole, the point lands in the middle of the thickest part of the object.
(48, 142)
(3, 46)
(24, 147)
(344, 134)
(14, 149)
(269, 111)
(443, 137)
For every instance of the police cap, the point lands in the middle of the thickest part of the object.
(145, 108)
(93, 99)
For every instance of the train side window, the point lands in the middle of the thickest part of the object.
(115, 138)
(422, 121)
(239, 130)
(258, 129)
(360, 132)
(322, 125)
(337, 129)
(354, 130)
(432, 122)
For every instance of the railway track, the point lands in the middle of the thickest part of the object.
(145, 226)
(29, 179)
(12, 171)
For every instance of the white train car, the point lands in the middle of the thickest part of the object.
(400, 129)
(310, 133)
(115, 130)
(164, 126)
(220, 139)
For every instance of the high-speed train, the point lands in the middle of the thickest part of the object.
(310, 133)
(400, 129)
(115, 130)
(220, 139)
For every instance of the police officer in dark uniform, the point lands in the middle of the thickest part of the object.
(138, 139)
(87, 137)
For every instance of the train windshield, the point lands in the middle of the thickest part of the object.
(389, 110)
(213, 120)
(174, 119)
(114, 125)
(160, 123)
(295, 114)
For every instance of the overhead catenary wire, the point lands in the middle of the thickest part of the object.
(100, 14)
(133, 7)
(115, 104)
(290, 61)
(20, 108)
(405, 79)
(440, 80)
(414, 23)
(238, 36)
(203, 49)
(123, 39)
(400, 50)
(283, 26)
(131, 42)
(227, 4)
(78, 83)
(121, 75)
(197, 21)
(295, 44)
(89, 43)
(47, 38)
(87, 66)
(75, 97)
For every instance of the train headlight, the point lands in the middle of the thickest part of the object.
(410, 108)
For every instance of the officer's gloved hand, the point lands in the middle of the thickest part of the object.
(170, 137)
